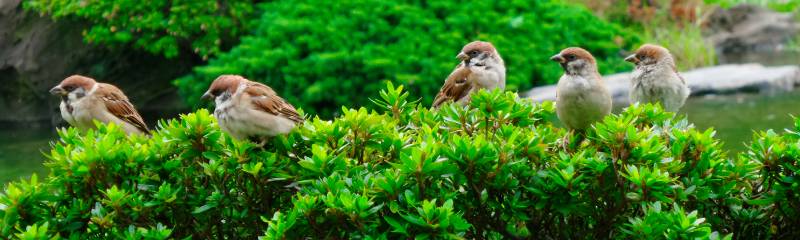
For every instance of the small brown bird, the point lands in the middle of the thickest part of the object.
(481, 67)
(246, 109)
(84, 100)
(656, 79)
(581, 96)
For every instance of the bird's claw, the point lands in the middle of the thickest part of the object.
(261, 143)
(565, 141)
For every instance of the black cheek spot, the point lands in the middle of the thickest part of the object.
(224, 97)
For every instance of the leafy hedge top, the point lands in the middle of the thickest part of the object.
(158, 26)
(493, 170)
(324, 54)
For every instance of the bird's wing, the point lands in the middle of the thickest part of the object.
(681, 78)
(455, 87)
(675, 69)
(265, 99)
(118, 105)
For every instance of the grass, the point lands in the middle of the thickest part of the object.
(683, 38)
(686, 43)
(775, 5)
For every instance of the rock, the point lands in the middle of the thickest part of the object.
(747, 27)
(36, 53)
(711, 80)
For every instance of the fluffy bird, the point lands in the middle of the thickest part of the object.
(581, 96)
(247, 109)
(481, 67)
(656, 79)
(84, 100)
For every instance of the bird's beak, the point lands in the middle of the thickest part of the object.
(207, 96)
(462, 56)
(632, 59)
(57, 90)
(557, 58)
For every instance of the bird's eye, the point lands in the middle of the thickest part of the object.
(473, 52)
(69, 88)
(570, 57)
(216, 92)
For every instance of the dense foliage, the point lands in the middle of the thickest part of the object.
(165, 27)
(494, 170)
(324, 54)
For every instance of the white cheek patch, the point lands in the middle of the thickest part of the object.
(224, 98)
(79, 93)
(223, 104)
(573, 67)
(76, 94)
(579, 67)
(577, 63)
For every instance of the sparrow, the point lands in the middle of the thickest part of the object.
(84, 100)
(656, 79)
(247, 109)
(481, 67)
(581, 96)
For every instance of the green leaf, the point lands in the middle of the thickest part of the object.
(202, 209)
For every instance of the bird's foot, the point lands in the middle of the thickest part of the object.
(565, 141)
(260, 142)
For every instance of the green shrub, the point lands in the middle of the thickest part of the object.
(685, 43)
(774, 204)
(324, 54)
(165, 27)
(493, 170)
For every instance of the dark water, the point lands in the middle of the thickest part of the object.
(735, 117)
(21, 148)
(21, 152)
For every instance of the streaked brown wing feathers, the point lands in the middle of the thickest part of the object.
(455, 87)
(674, 69)
(265, 99)
(117, 104)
